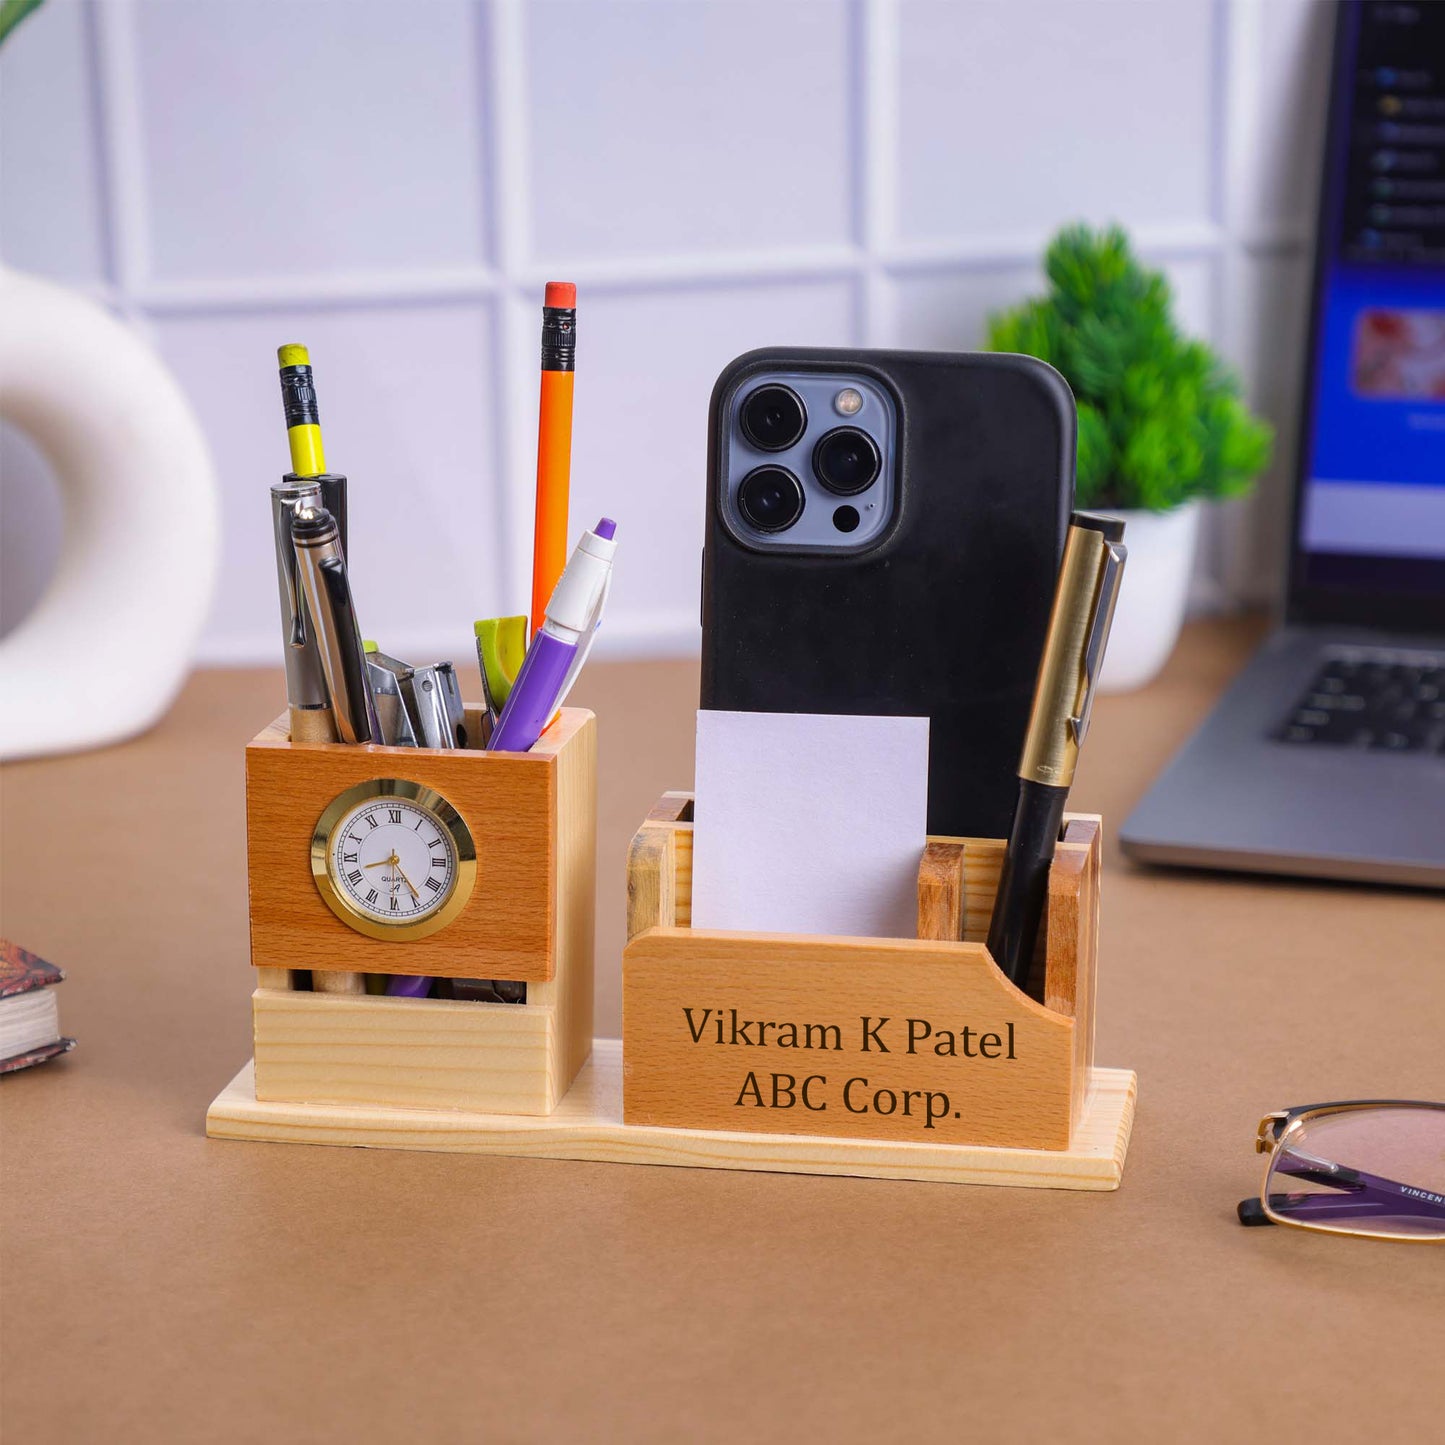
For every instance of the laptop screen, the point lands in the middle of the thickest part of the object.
(1370, 519)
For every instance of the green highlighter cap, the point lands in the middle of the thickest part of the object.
(501, 648)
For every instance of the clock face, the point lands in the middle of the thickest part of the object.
(393, 859)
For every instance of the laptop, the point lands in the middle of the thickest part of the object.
(1326, 757)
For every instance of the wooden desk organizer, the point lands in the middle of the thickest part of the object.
(471, 1078)
(529, 917)
(921, 1039)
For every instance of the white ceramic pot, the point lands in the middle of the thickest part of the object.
(1150, 610)
(108, 645)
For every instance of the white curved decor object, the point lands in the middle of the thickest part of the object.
(1152, 596)
(107, 647)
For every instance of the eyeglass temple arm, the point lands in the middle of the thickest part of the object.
(1366, 1194)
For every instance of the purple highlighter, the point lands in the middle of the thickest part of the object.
(551, 666)
(561, 644)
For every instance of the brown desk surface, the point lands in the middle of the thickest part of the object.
(162, 1286)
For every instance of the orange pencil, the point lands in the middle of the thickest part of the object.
(554, 443)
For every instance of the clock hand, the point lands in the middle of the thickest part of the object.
(405, 879)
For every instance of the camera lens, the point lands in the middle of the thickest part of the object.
(773, 418)
(846, 460)
(770, 499)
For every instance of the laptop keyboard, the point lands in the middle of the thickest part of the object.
(1379, 700)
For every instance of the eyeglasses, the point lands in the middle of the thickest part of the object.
(1371, 1166)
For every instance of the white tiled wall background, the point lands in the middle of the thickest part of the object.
(392, 184)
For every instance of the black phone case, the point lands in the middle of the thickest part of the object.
(945, 615)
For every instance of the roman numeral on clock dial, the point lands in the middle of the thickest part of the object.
(394, 870)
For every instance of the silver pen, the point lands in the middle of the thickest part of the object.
(322, 571)
(305, 681)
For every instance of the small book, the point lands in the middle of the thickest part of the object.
(29, 1015)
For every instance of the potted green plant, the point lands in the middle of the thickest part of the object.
(1162, 426)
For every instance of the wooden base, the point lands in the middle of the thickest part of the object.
(587, 1125)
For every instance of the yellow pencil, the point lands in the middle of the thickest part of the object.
(303, 420)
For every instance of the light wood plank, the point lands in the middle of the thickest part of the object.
(587, 1125)
(651, 897)
(574, 909)
(682, 836)
(1071, 982)
(404, 1053)
(982, 864)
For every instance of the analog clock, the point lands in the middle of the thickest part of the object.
(393, 859)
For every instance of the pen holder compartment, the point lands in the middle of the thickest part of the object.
(527, 916)
(921, 1040)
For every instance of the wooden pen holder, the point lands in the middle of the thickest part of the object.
(529, 821)
(920, 1040)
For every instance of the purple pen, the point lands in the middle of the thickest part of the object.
(562, 642)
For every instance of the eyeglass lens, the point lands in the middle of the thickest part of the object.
(1363, 1171)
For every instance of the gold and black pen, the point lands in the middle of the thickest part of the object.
(1088, 588)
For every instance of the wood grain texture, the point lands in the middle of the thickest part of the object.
(575, 909)
(1006, 1080)
(941, 891)
(405, 1053)
(712, 1020)
(651, 892)
(1071, 975)
(513, 803)
(982, 864)
(682, 836)
(588, 1125)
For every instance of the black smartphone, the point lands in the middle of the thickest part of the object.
(884, 532)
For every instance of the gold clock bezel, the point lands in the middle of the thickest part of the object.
(339, 901)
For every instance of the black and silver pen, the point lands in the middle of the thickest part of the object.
(322, 571)
(1088, 588)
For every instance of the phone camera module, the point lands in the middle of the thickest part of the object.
(773, 418)
(770, 499)
(846, 460)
